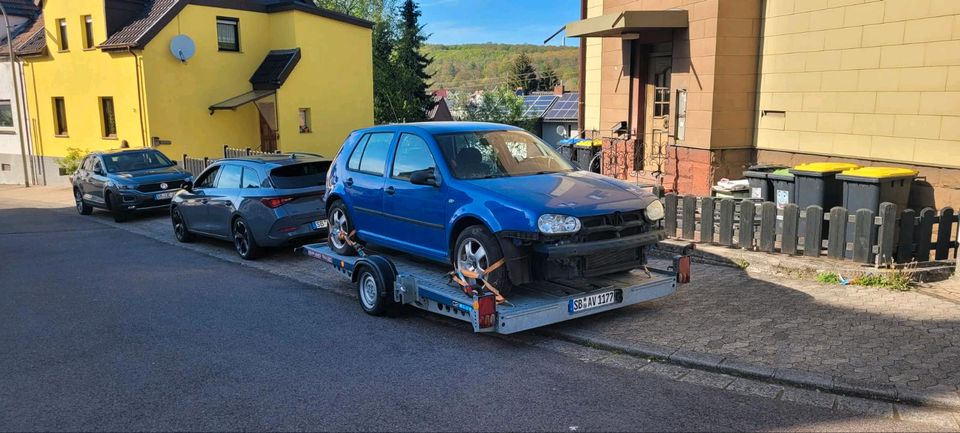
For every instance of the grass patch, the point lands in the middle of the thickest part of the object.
(898, 280)
(828, 278)
(741, 263)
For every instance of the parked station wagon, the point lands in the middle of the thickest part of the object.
(470, 194)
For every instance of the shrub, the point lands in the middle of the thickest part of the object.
(69, 163)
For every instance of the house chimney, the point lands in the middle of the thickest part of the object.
(558, 90)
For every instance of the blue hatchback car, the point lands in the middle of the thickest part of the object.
(471, 194)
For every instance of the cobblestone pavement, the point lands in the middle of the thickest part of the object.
(909, 340)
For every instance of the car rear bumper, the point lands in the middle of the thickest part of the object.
(294, 228)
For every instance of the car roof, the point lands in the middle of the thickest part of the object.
(116, 151)
(439, 128)
(277, 160)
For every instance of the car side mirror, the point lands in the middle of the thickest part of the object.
(175, 163)
(98, 171)
(425, 177)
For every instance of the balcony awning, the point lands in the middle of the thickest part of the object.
(627, 23)
(246, 98)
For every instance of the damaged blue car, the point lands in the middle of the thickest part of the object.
(483, 195)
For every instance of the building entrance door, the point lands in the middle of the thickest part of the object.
(268, 125)
(656, 113)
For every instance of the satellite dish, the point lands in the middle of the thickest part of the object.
(182, 47)
(561, 131)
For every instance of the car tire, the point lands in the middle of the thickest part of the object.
(476, 249)
(116, 209)
(180, 229)
(339, 222)
(243, 241)
(82, 207)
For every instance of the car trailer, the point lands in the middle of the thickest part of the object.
(425, 285)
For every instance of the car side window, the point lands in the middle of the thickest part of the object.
(250, 178)
(206, 179)
(230, 176)
(97, 166)
(413, 155)
(370, 156)
(85, 164)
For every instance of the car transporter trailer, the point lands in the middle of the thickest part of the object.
(426, 286)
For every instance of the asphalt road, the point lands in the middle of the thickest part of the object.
(101, 329)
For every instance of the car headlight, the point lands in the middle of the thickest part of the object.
(123, 186)
(654, 211)
(557, 224)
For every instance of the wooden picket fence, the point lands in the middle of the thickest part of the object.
(195, 165)
(230, 152)
(881, 238)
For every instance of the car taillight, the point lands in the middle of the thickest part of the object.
(275, 202)
(486, 307)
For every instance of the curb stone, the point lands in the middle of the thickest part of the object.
(785, 376)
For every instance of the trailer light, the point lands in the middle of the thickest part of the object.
(486, 308)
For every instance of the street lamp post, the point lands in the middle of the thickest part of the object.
(16, 95)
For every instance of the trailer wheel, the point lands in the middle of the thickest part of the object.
(375, 287)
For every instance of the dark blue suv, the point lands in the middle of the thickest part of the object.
(471, 194)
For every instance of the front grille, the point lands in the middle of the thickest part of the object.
(155, 187)
(612, 226)
(613, 258)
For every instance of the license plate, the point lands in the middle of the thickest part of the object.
(593, 301)
(319, 225)
(164, 196)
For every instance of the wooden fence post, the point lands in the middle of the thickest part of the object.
(923, 234)
(908, 227)
(670, 220)
(768, 226)
(944, 232)
(225, 146)
(837, 236)
(248, 151)
(812, 239)
(747, 215)
(886, 236)
(791, 222)
(707, 210)
(727, 209)
(689, 217)
(863, 237)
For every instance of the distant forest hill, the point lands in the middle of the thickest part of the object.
(484, 66)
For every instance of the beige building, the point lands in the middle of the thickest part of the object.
(686, 92)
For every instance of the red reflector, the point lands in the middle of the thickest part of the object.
(287, 229)
(487, 310)
(275, 202)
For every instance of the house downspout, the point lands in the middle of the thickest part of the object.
(581, 86)
(25, 112)
(136, 66)
(756, 108)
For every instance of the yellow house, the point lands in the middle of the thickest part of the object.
(191, 76)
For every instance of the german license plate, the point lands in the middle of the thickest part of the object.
(319, 225)
(595, 300)
(164, 196)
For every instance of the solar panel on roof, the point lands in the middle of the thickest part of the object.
(536, 105)
(565, 108)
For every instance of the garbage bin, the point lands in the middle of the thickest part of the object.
(584, 151)
(782, 187)
(565, 148)
(866, 188)
(761, 186)
(816, 184)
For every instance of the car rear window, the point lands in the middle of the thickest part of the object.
(300, 175)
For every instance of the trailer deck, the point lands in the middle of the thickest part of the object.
(427, 286)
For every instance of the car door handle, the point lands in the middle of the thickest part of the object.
(390, 190)
(348, 182)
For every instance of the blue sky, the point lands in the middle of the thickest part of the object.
(500, 21)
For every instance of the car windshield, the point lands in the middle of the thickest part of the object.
(133, 161)
(489, 154)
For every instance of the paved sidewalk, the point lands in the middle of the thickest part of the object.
(855, 340)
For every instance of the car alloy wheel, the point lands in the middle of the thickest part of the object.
(338, 228)
(79, 198)
(241, 238)
(180, 227)
(472, 257)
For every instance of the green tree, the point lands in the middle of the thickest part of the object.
(522, 74)
(500, 105)
(410, 67)
(547, 79)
